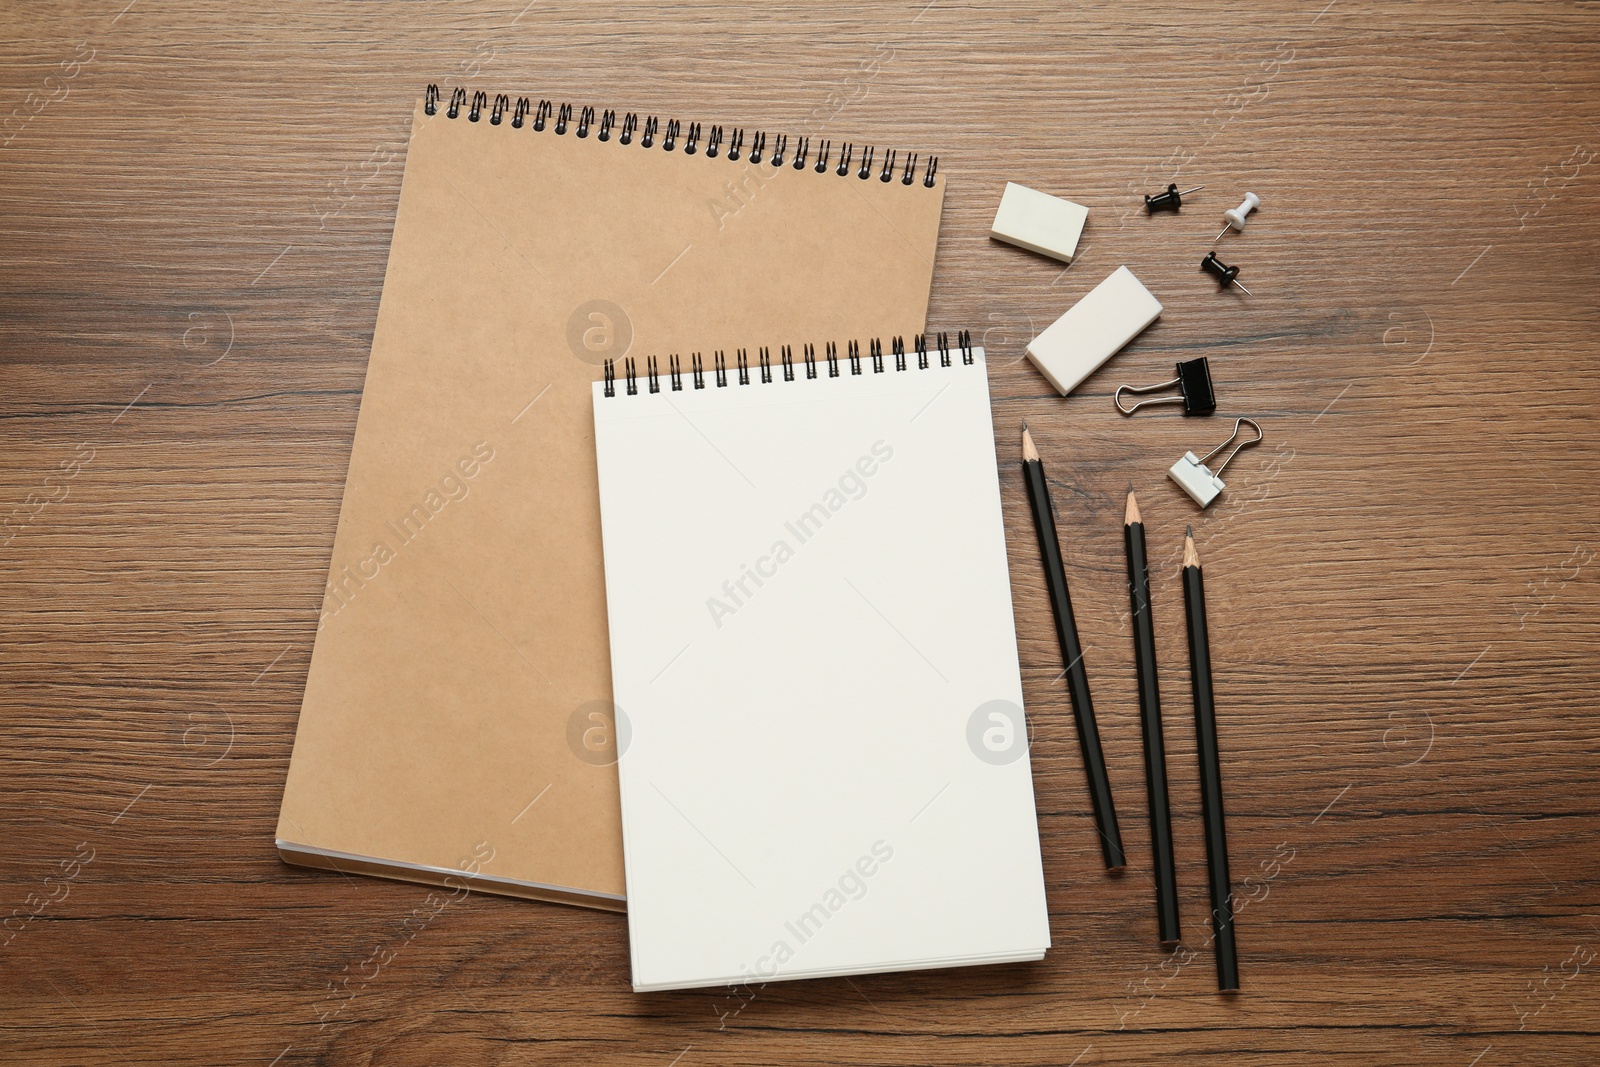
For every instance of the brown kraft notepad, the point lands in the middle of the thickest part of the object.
(457, 721)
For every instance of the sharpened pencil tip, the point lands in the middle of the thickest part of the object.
(1188, 531)
(1191, 558)
(1030, 452)
(1132, 515)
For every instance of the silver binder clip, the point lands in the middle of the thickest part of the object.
(1198, 480)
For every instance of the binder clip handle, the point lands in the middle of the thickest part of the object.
(1237, 428)
(1194, 387)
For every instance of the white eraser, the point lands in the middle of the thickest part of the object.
(1039, 222)
(1196, 479)
(1093, 330)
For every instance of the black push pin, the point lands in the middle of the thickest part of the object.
(1194, 388)
(1169, 200)
(1225, 275)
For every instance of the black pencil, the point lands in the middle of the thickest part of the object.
(1155, 755)
(1205, 729)
(1094, 761)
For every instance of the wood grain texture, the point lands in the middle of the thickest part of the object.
(196, 199)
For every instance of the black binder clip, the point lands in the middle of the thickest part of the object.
(1194, 389)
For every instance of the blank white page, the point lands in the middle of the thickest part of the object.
(824, 765)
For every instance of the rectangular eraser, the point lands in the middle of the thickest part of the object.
(1039, 222)
(1093, 330)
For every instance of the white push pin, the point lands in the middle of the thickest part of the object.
(1199, 481)
(1236, 216)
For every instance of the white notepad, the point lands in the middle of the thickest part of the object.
(824, 766)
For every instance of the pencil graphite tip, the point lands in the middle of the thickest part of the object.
(1188, 531)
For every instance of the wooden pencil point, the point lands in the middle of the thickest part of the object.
(1191, 558)
(1030, 454)
(1132, 515)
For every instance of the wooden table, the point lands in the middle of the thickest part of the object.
(196, 200)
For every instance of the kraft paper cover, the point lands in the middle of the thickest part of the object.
(456, 716)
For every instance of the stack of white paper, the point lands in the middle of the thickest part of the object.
(824, 764)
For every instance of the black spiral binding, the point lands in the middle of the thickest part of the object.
(942, 348)
(477, 101)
